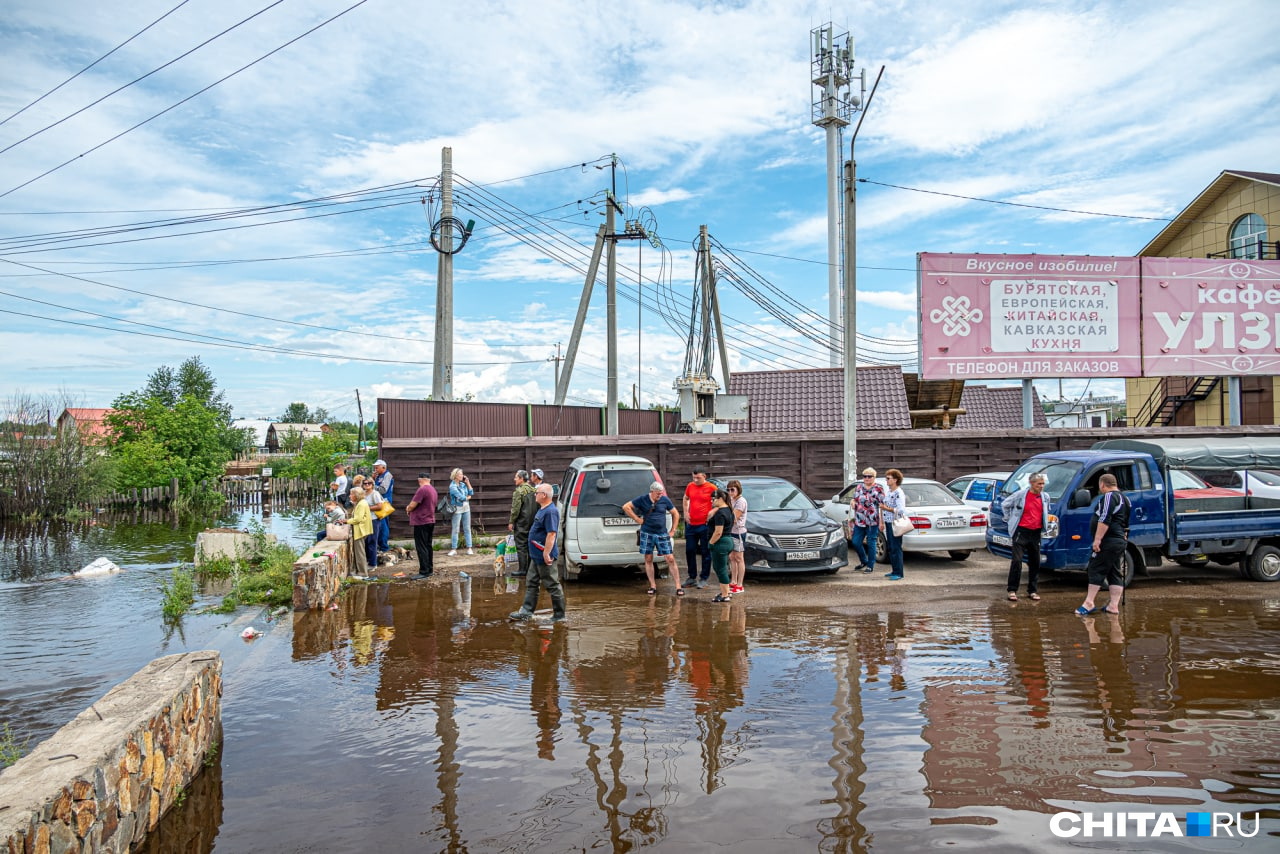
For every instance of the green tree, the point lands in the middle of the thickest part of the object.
(298, 413)
(178, 425)
(317, 457)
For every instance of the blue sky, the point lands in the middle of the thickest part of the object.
(1126, 108)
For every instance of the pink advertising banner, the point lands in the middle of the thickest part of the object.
(1022, 316)
(1210, 316)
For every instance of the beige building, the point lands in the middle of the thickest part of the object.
(1236, 216)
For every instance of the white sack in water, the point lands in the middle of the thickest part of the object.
(101, 566)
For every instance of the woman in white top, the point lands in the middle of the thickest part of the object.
(893, 507)
(460, 493)
(737, 557)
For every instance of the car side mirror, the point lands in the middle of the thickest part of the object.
(1081, 498)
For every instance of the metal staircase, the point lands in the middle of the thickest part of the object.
(1162, 406)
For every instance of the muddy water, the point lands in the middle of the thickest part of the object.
(417, 718)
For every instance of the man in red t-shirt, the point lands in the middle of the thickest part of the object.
(1028, 514)
(697, 536)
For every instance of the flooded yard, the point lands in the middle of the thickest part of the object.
(416, 717)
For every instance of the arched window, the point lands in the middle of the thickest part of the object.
(1248, 233)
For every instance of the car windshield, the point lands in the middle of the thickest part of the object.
(624, 485)
(1267, 477)
(1183, 479)
(922, 494)
(774, 495)
(1058, 476)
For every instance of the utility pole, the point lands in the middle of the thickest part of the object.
(611, 303)
(442, 364)
(556, 359)
(360, 429)
(858, 101)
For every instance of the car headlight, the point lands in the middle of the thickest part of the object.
(835, 537)
(758, 540)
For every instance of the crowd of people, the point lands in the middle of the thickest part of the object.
(715, 529)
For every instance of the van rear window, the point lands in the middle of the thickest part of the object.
(624, 485)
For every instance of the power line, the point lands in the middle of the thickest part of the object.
(1021, 204)
(242, 68)
(95, 62)
(87, 106)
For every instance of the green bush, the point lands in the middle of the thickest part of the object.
(179, 595)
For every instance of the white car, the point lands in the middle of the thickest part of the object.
(943, 523)
(978, 490)
(595, 533)
(1256, 482)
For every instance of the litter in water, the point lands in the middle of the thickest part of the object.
(250, 633)
(101, 566)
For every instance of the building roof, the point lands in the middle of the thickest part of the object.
(87, 421)
(303, 429)
(1000, 408)
(1200, 204)
(259, 427)
(813, 399)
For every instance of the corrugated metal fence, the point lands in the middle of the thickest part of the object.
(408, 419)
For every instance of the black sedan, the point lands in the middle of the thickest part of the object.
(786, 532)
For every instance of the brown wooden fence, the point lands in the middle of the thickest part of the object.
(407, 419)
(237, 492)
(811, 460)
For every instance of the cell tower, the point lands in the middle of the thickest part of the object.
(834, 104)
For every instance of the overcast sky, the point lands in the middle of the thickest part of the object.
(117, 256)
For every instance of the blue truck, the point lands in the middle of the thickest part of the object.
(1175, 514)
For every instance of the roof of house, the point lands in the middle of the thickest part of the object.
(259, 427)
(88, 422)
(999, 408)
(812, 399)
(1201, 203)
(304, 429)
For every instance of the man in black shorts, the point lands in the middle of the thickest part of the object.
(1110, 539)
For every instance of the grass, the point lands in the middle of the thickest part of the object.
(179, 595)
(10, 750)
(262, 574)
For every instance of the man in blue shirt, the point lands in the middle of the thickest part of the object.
(652, 511)
(543, 551)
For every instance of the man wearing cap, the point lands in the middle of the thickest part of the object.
(652, 512)
(697, 536)
(385, 483)
(523, 508)
(535, 478)
(422, 516)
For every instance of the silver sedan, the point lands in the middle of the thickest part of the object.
(943, 523)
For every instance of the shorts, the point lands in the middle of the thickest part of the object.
(659, 544)
(1106, 568)
(739, 542)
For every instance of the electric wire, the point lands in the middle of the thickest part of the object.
(92, 64)
(223, 79)
(94, 103)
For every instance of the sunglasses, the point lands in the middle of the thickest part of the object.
(868, 475)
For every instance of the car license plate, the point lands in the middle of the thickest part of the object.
(949, 522)
(621, 522)
(1001, 540)
(802, 555)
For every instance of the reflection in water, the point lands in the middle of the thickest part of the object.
(417, 717)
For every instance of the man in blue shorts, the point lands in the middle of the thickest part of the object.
(651, 511)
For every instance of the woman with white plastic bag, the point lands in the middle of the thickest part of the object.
(894, 523)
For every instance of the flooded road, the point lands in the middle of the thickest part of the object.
(417, 718)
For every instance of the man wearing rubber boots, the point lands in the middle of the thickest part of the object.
(543, 551)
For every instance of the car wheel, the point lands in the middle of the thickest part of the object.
(1264, 564)
(882, 550)
(959, 554)
(569, 571)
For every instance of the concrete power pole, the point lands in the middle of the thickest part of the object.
(611, 319)
(442, 364)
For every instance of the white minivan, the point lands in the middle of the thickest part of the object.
(594, 530)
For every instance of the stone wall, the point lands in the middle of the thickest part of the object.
(103, 781)
(318, 574)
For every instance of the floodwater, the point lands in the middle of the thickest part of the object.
(417, 718)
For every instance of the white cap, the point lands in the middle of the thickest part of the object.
(382, 463)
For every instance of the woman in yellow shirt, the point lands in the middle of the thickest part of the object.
(361, 527)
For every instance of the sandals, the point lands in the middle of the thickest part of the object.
(1013, 597)
(652, 591)
(719, 598)
(1084, 612)
(680, 592)
(1034, 597)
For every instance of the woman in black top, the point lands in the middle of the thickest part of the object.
(719, 524)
